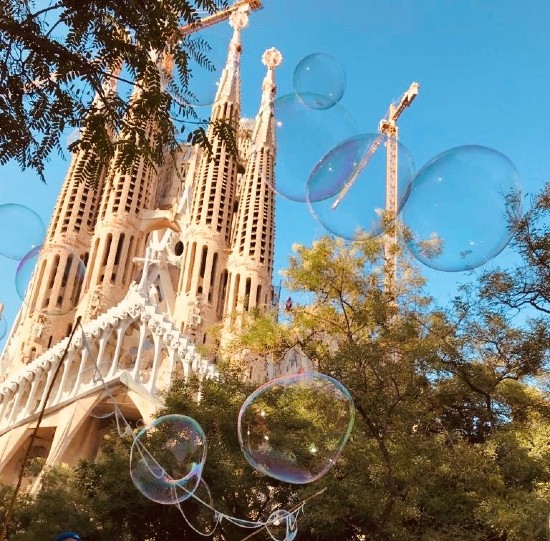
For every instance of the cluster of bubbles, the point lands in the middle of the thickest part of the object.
(293, 428)
(456, 213)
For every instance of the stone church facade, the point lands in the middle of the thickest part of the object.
(149, 260)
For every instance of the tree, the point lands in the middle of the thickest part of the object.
(525, 285)
(451, 440)
(443, 402)
(99, 499)
(57, 58)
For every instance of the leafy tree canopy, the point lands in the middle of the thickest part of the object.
(451, 439)
(57, 60)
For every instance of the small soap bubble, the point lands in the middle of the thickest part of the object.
(304, 136)
(347, 189)
(294, 428)
(167, 458)
(463, 208)
(21, 230)
(282, 525)
(319, 81)
(61, 270)
(199, 510)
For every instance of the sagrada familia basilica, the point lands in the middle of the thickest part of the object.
(149, 260)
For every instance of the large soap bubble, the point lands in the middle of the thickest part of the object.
(58, 281)
(463, 208)
(167, 458)
(347, 189)
(304, 136)
(21, 230)
(319, 81)
(294, 428)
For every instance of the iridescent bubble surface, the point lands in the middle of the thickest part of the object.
(199, 511)
(319, 81)
(63, 294)
(347, 188)
(463, 208)
(304, 136)
(294, 428)
(21, 230)
(167, 458)
(282, 525)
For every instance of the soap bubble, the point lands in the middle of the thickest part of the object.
(319, 81)
(211, 43)
(347, 189)
(304, 136)
(58, 281)
(282, 525)
(463, 208)
(93, 376)
(21, 230)
(167, 458)
(199, 512)
(294, 428)
(3, 327)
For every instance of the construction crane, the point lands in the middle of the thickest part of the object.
(222, 15)
(245, 6)
(389, 132)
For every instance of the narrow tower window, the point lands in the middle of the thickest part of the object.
(190, 267)
(247, 293)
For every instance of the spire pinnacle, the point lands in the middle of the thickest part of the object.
(263, 130)
(229, 86)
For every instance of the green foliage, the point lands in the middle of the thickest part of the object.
(527, 285)
(451, 440)
(56, 508)
(56, 61)
(443, 399)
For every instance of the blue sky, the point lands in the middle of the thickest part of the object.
(483, 73)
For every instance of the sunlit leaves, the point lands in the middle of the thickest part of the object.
(54, 60)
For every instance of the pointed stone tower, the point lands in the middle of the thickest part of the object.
(250, 263)
(48, 311)
(119, 234)
(203, 278)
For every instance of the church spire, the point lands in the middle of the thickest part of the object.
(264, 131)
(55, 289)
(203, 277)
(229, 88)
(250, 264)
